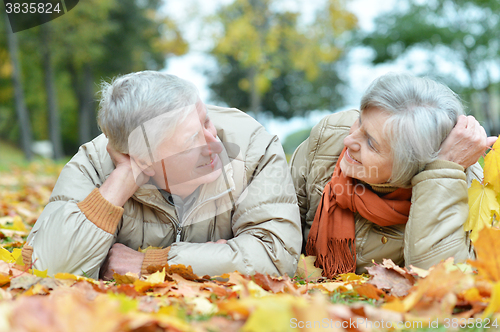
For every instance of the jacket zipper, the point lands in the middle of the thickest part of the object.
(177, 225)
(179, 230)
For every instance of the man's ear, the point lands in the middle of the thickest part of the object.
(144, 166)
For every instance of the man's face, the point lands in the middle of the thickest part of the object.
(190, 157)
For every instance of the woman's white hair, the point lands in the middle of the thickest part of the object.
(148, 97)
(423, 112)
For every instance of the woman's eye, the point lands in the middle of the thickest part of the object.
(370, 144)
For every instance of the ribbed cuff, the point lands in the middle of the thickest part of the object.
(440, 164)
(154, 257)
(27, 252)
(102, 213)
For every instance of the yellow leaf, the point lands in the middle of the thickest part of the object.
(17, 255)
(273, 313)
(6, 256)
(65, 276)
(482, 203)
(142, 286)
(38, 273)
(352, 277)
(494, 305)
(306, 269)
(126, 303)
(18, 224)
(492, 167)
(157, 277)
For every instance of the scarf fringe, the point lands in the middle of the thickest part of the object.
(341, 257)
(311, 248)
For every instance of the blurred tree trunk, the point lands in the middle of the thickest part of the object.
(87, 113)
(22, 113)
(255, 99)
(84, 90)
(54, 122)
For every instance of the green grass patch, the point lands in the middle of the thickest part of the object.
(13, 157)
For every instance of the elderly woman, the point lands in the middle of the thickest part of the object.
(391, 180)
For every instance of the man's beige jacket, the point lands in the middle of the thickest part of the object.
(252, 205)
(438, 205)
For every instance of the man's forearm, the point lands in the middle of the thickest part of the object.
(119, 186)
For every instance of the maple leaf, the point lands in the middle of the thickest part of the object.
(488, 254)
(492, 167)
(482, 203)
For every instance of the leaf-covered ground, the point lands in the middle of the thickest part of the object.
(388, 298)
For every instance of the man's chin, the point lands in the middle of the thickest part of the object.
(195, 183)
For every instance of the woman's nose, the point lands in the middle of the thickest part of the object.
(351, 141)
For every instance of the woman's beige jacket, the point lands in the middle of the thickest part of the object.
(252, 205)
(438, 205)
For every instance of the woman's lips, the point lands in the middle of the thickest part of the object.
(351, 159)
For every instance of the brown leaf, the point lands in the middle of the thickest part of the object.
(389, 280)
(24, 281)
(488, 254)
(274, 284)
(127, 278)
(185, 272)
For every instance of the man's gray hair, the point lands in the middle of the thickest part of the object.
(132, 100)
(423, 112)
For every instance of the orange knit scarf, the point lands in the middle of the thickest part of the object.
(332, 237)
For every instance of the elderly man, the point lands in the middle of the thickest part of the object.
(197, 185)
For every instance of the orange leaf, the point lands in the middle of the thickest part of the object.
(488, 254)
(368, 291)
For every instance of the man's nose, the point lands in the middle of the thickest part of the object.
(212, 144)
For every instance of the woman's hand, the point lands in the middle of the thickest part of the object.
(466, 142)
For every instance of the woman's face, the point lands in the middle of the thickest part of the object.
(368, 156)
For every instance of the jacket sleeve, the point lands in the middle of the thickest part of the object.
(265, 221)
(299, 170)
(76, 229)
(438, 212)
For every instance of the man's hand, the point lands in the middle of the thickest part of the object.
(121, 259)
(466, 142)
(122, 182)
